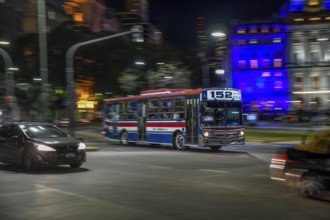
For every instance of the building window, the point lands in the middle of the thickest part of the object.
(315, 79)
(315, 56)
(278, 85)
(51, 15)
(265, 74)
(298, 57)
(298, 81)
(253, 29)
(241, 31)
(265, 29)
(277, 62)
(327, 56)
(253, 41)
(266, 63)
(277, 40)
(254, 63)
(242, 64)
(241, 42)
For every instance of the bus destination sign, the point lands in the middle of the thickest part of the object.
(223, 95)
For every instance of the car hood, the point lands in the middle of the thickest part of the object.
(57, 141)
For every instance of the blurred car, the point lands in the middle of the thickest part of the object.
(32, 144)
(305, 167)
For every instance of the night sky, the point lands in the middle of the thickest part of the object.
(177, 18)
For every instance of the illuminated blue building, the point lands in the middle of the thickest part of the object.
(284, 63)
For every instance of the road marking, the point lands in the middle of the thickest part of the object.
(214, 171)
(23, 193)
(161, 167)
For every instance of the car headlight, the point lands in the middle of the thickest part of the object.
(207, 134)
(241, 133)
(82, 146)
(42, 147)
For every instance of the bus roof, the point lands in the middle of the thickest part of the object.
(162, 93)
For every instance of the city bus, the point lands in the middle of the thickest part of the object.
(177, 117)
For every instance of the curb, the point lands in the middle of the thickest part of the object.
(91, 149)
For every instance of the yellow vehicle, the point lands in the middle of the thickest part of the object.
(305, 166)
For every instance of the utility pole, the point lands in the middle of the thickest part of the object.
(70, 82)
(42, 24)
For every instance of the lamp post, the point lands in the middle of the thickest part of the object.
(71, 96)
(43, 57)
(220, 70)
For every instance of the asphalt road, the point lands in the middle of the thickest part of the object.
(153, 182)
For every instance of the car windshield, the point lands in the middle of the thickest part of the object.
(42, 131)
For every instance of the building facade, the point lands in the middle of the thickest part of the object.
(284, 63)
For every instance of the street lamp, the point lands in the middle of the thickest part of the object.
(218, 34)
(220, 54)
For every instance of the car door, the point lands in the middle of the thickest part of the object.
(4, 144)
(15, 145)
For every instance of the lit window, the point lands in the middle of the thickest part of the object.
(278, 74)
(254, 63)
(315, 80)
(277, 62)
(278, 85)
(78, 17)
(51, 15)
(242, 63)
(241, 42)
(298, 81)
(277, 40)
(313, 2)
(298, 19)
(265, 29)
(314, 19)
(253, 41)
(253, 29)
(241, 31)
(265, 74)
(266, 63)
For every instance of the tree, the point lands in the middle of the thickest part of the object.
(171, 75)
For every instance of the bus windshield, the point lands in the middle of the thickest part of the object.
(215, 114)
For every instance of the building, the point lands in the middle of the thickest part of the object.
(283, 63)
(136, 12)
(11, 15)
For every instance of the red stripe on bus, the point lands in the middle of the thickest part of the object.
(165, 125)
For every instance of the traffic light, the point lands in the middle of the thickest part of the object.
(137, 34)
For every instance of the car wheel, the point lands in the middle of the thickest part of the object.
(75, 165)
(124, 138)
(215, 148)
(28, 161)
(178, 141)
(311, 187)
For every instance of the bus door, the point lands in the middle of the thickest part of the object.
(191, 120)
(142, 121)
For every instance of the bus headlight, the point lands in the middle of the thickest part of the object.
(241, 133)
(207, 134)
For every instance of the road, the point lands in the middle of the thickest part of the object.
(154, 182)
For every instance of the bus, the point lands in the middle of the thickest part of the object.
(177, 117)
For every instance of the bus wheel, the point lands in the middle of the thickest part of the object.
(178, 141)
(124, 138)
(215, 148)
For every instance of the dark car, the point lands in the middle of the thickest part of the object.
(305, 167)
(31, 145)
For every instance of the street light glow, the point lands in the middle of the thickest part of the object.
(139, 63)
(218, 34)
